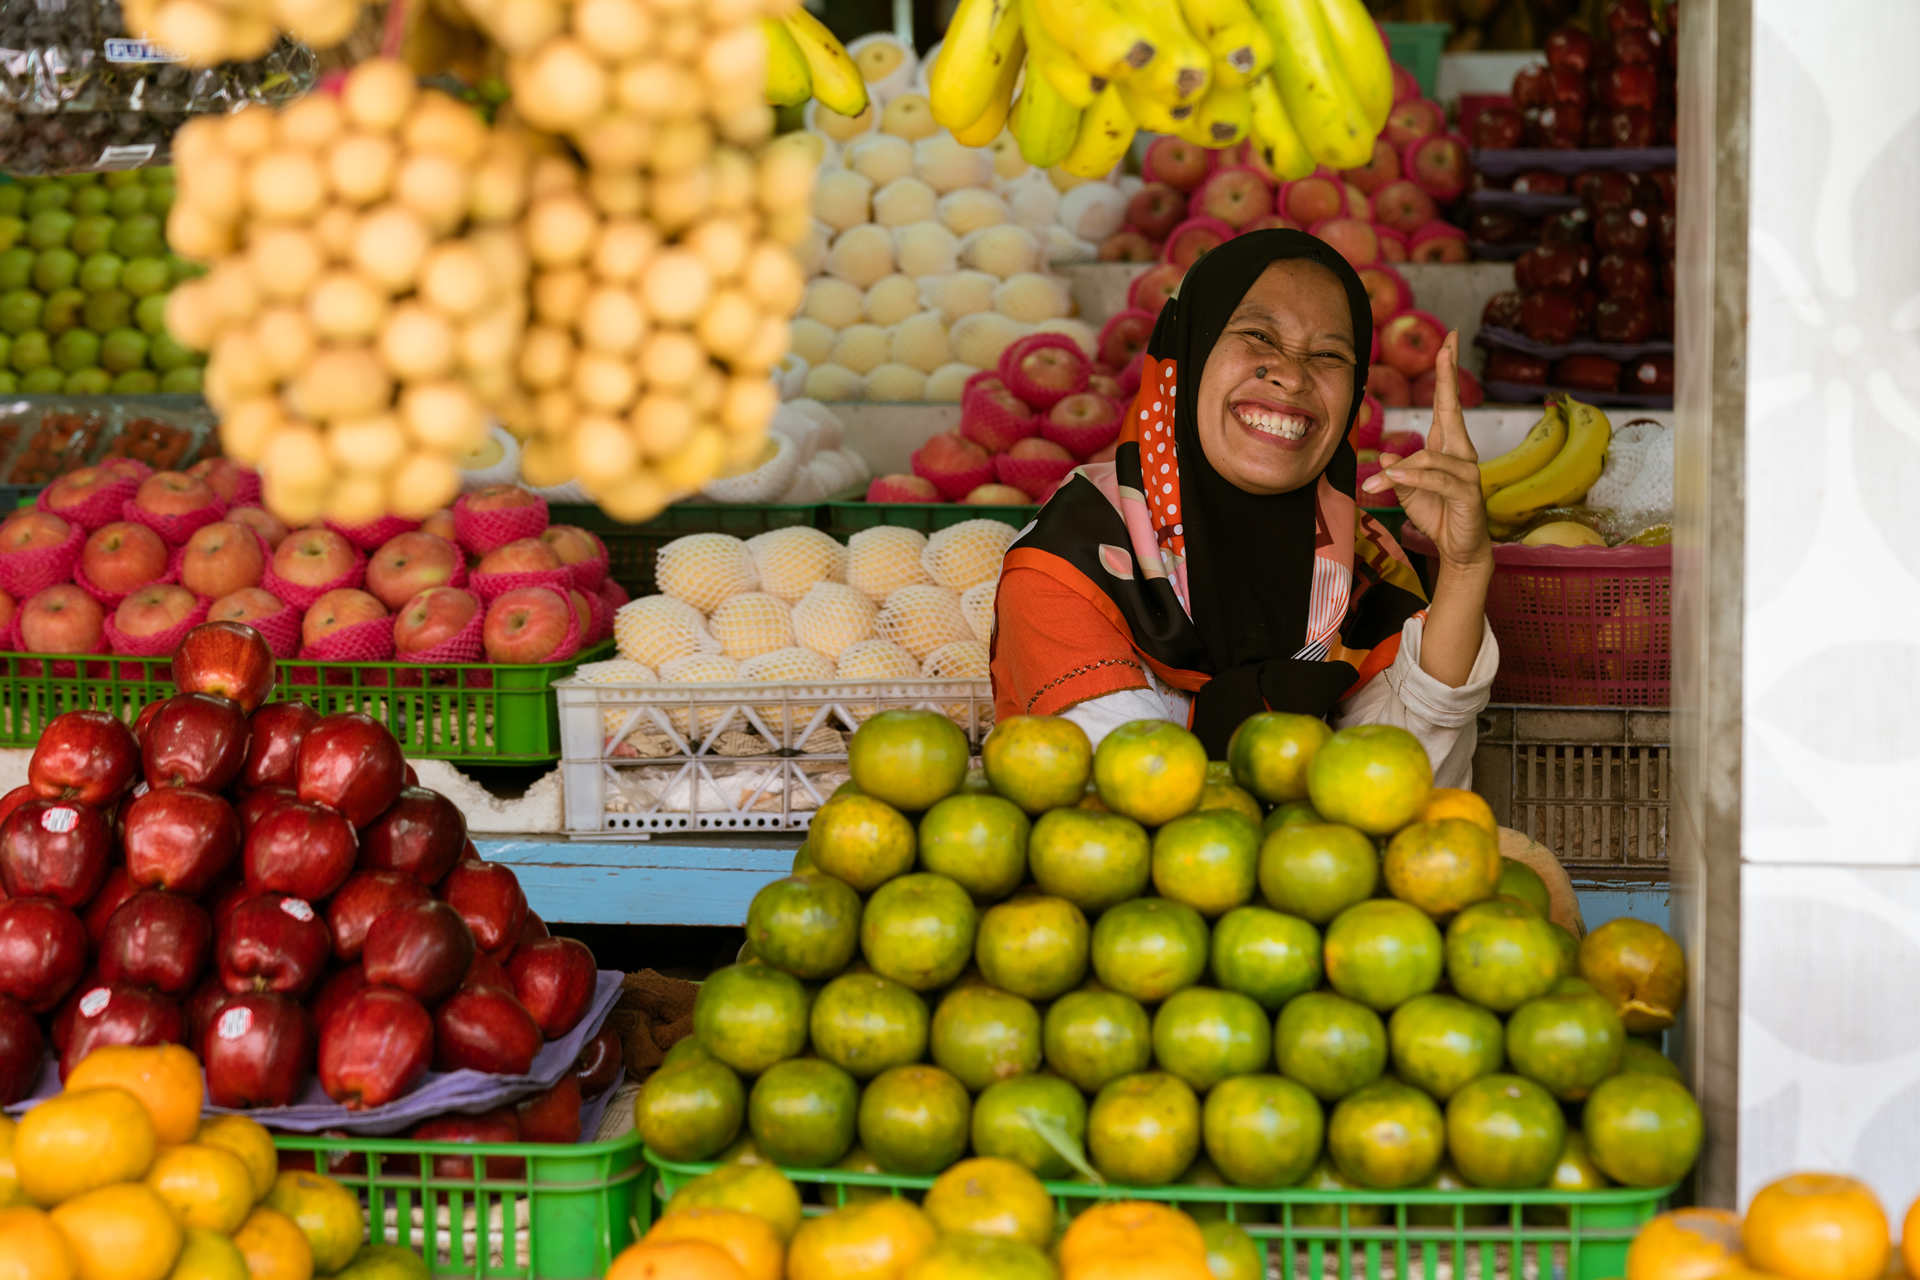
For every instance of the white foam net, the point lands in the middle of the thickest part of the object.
(976, 606)
(791, 561)
(708, 668)
(921, 618)
(832, 616)
(791, 663)
(704, 569)
(961, 660)
(658, 629)
(967, 554)
(882, 560)
(877, 660)
(751, 624)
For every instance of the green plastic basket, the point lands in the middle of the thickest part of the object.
(565, 1217)
(631, 547)
(478, 713)
(1417, 46)
(1590, 1244)
(844, 519)
(1390, 518)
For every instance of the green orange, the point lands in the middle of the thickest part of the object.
(803, 860)
(1004, 1122)
(1204, 1036)
(801, 1112)
(964, 1256)
(1270, 752)
(1442, 867)
(1325, 1176)
(1143, 1130)
(910, 759)
(976, 783)
(1330, 1044)
(1573, 1171)
(1518, 880)
(1383, 953)
(1231, 1253)
(1034, 945)
(1262, 1130)
(1317, 870)
(750, 1016)
(1568, 1042)
(1635, 1056)
(691, 1109)
(1091, 1037)
(1447, 1178)
(1090, 858)
(1207, 860)
(1387, 1135)
(1440, 1043)
(1202, 1173)
(807, 925)
(918, 930)
(982, 1036)
(913, 1120)
(1374, 777)
(1289, 815)
(865, 1023)
(1569, 948)
(1232, 799)
(1639, 969)
(1501, 954)
(1038, 762)
(1505, 1131)
(1642, 1130)
(1150, 770)
(861, 840)
(1149, 948)
(979, 842)
(1268, 955)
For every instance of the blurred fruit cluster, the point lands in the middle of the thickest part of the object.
(85, 274)
(1805, 1226)
(1060, 909)
(1610, 88)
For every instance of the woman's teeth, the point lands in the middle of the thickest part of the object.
(1288, 426)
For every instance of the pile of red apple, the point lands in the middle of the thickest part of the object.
(272, 889)
(1612, 92)
(81, 573)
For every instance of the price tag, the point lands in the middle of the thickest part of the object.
(233, 1023)
(60, 820)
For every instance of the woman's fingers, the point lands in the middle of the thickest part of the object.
(1451, 478)
(1449, 432)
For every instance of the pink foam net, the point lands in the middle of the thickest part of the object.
(111, 599)
(100, 507)
(174, 530)
(158, 645)
(375, 534)
(614, 594)
(589, 574)
(602, 619)
(17, 644)
(302, 598)
(482, 531)
(992, 425)
(491, 586)
(281, 631)
(1042, 398)
(954, 485)
(464, 646)
(24, 572)
(1032, 476)
(369, 641)
(1080, 441)
(246, 493)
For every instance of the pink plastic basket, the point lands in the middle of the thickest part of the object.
(1579, 626)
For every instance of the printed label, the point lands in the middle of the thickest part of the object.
(140, 789)
(297, 908)
(233, 1023)
(114, 159)
(1648, 373)
(94, 1001)
(125, 52)
(1638, 217)
(61, 820)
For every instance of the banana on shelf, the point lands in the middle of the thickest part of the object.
(1554, 466)
(805, 60)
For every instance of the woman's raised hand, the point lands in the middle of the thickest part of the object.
(1440, 486)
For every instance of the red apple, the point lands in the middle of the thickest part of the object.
(1404, 206)
(440, 525)
(261, 522)
(500, 497)
(1549, 317)
(1314, 199)
(422, 834)
(364, 898)
(487, 972)
(422, 948)
(86, 756)
(524, 555)
(174, 493)
(1124, 337)
(1156, 209)
(116, 889)
(1180, 164)
(1411, 341)
(525, 625)
(122, 556)
(489, 898)
(43, 951)
(1154, 287)
(552, 1115)
(573, 544)
(221, 558)
(156, 939)
(76, 487)
(29, 529)
(1623, 319)
(314, 557)
(274, 752)
(350, 763)
(1650, 376)
(492, 1128)
(1502, 310)
(1586, 373)
(1127, 246)
(888, 488)
(1194, 238)
(272, 943)
(249, 604)
(202, 1007)
(9, 609)
(484, 1029)
(223, 475)
(533, 929)
(15, 798)
(180, 838)
(55, 849)
(21, 1049)
(582, 611)
(409, 564)
(554, 979)
(337, 610)
(1498, 128)
(301, 849)
(1512, 366)
(258, 1052)
(599, 1063)
(1382, 167)
(154, 609)
(62, 619)
(1413, 120)
(1235, 196)
(120, 1013)
(333, 993)
(195, 740)
(434, 617)
(374, 1047)
(259, 804)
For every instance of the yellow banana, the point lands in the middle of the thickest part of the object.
(1536, 451)
(1180, 72)
(987, 127)
(1240, 45)
(1564, 480)
(1106, 131)
(1362, 55)
(1222, 118)
(1318, 98)
(788, 81)
(1045, 55)
(1043, 123)
(836, 81)
(1280, 146)
(1110, 42)
(963, 76)
(1148, 112)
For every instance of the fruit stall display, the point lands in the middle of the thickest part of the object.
(1610, 90)
(1805, 1226)
(899, 996)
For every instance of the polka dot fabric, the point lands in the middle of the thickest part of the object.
(1152, 427)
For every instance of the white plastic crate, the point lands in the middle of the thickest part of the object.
(745, 756)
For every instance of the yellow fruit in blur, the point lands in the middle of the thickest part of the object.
(166, 1078)
(751, 1243)
(873, 1240)
(753, 1187)
(80, 1140)
(119, 1232)
(1452, 802)
(1817, 1226)
(208, 1255)
(250, 1141)
(274, 1246)
(1119, 1228)
(1563, 533)
(204, 1186)
(31, 1247)
(992, 1197)
(674, 1260)
(325, 1211)
(10, 1192)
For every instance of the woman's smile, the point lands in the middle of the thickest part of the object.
(1284, 426)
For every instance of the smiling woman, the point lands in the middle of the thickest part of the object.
(1221, 564)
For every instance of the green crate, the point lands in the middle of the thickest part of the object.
(1417, 46)
(567, 1215)
(631, 547)
(475, 713)
(1590, 1245)
(844, 519)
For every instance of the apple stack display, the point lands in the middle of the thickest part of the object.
(270, 888)
(1613, 89)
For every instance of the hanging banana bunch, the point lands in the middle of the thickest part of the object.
(1307, 81)
(805, 60)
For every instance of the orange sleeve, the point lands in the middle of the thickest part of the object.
(1053, 649)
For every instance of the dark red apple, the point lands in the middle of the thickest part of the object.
(278, 730)
(1548, 266)
(1650, 376)
(552, 1115)
(1156, 209)
(333, 993)
(491, 1127)
(484, 1029)
(1569, 47)
(195, 740)
(226, 894)
(258, 1052)
(534, 929)
(599, 1063)
(487, 972)
(206, 1001)
(364, 898)
(1512, 366)
(55, 849)
(554, 979)
(300, 849)
(1624, 276)
(421, 948)
(260, 803)
(1549, 317)
(272, 943)
(1632, 127)
(227, 659)
(374, 1047)
(157, 939)
(120, 1013)
(1498, 128)
(422, 834)
(15, 798)
(350, 763)
(116, 889)
(1623, 230)
(180, 838)
(145, 719)
(1586, 373)
(21, 1049)
(88, 756)
(1502, 310)
(1623, 319)
(488, 897)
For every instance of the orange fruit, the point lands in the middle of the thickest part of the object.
(864, 1024)
(1504, 1131)
(1149, 948)
(1038, 762)
(1452, 802)
(1117, 1228)
(204, 1186)
(748, 1240)
(1383, 953)
(1033, 945)
(166, 1078)
(918, 930)
(209, 1255)
(873, 1240)
(807, 925)
(750, 1016)
(1637, 967)
(1270, 752)
(801, 1112)
(691, 1109)
(249, 1140)
(1687, 1244)
(914, 1119)
(1502, 953)
(1143, 1130)
(1441, 867)
(1330, 1044)
(1518, 880)
(1091, 1037)
(120, 1232)
(909, 759)
(1207, 860)
(1261, 1130)
(327, 1214)
(1316, 870)
(1910, 1239)
(32, 1248)
(1265, 954)
(861, 840)
(675, 1260)
(1231, 1252)
(983, 1036)
(1092, 859)
(1148, 1264)
(1374, 777)
(80, 1140)
(971, 1257)
(1205, 1035)
(1440, 1042)
(989, 1197)
(757, 1188)
(1002, 1126)
(274, 1246)
(1228, 798)
(1642, 1130)
(10, 1192)
(1387, 1135)
(980, 842)
(1150, 770)
(1817, 1226)
(1326, 1176)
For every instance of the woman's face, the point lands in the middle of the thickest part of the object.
(1275, 393)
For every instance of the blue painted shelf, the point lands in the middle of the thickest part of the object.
(699, 881)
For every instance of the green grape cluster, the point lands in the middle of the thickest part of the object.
(84, 277)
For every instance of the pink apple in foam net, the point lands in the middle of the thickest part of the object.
(1314, 199)
(62, 619)
(1404, 444)
(1359, 204)
(1387, 292)
(1272, 222)
(1382, 167)
(902, 488)
(1438, 242)
(174, 493)
(1368, 424)
(1156, 209)
(1410, 342)
(30, 530)
(9, 608)
(123, 555)
(1440, 165)
(1101, 384)
(947, 459)
(221, 558)
(1354, 240)
(1152, 287)
(408, 564)
(313, 557)
(572, 544)
(1038, 448)
(1235, 196)
(433, 617)
(77, 487)
(997, 495)
(527, 624)
(1413, 120)
(1402, 205)
(1127, 245)
(1393, 244)
(1175, 161)
(1193, 238)
(523, 555)
(337, 610)
(1053, 367)
(152, 610)
(261, 521)
(1124, 337)
(1390, 386)
(249, 604)
(222, 475)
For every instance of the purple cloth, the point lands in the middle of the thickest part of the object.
(1527, 204)
(1529, 393)
(1498, 164)
(1495, 336)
